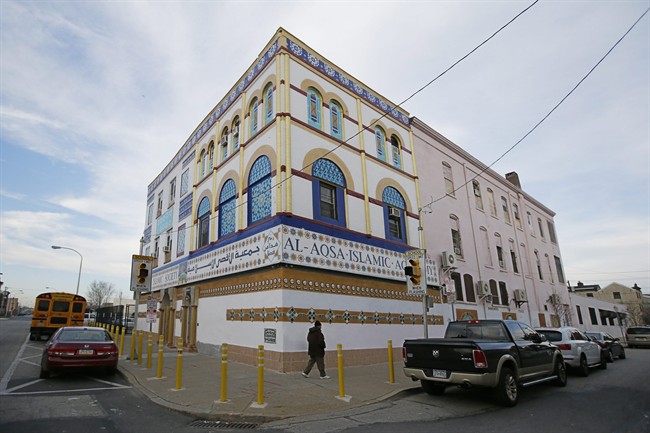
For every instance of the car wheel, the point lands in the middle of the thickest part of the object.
(610, 356)
(622, 354)
(111, 371)
(433, 388)
(45, 374)
(507, 390)
(583, 370)
(603, 361)
(560, 373)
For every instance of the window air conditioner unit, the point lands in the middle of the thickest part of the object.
(448, 260)
(457, 251)
(167, 249)
(224, 141)
(235, 130)
(392, 211)
(520, 295)
(483, 289)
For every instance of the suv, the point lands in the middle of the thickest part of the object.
(578, 350)
(610, 345)
(638, 336)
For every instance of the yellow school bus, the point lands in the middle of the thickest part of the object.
(54, 310)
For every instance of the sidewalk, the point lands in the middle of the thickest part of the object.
(285, 394)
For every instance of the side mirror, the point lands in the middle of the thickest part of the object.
(536, 338)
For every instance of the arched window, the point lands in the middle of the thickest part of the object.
(259, 190)
(395, 151)
(494, 289)
(203, 217)
(328, 192)
(455, 235)
(253, 114)
(469, 288)
(224, 144)
(314, 106)
(503, 291)
(449, 179)
(227, 204)
(380, 142)
(268, 103)
(336, 120)
(202, 161)
(394, 214)
(235, 135)
(211, 156)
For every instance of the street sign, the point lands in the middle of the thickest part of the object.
(415, 260)
(152, 309)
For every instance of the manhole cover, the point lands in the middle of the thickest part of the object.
(202, 423)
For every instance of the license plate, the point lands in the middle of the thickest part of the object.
(85, 352)
(442, 374)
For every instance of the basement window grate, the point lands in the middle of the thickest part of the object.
(202, 423)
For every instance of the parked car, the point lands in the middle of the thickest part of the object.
(610, 345)
(579, 352)
(74, 347)
(89, 318)
(638, 336)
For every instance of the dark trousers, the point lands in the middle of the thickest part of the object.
(320, 363)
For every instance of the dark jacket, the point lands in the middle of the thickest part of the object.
(316, 341)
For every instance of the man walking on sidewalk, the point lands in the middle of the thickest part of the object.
(316, 351)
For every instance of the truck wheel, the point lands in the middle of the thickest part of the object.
(560, 373)
(433, 388)
(507, 390)
(583, 370)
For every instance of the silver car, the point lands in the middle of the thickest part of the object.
(579, 351)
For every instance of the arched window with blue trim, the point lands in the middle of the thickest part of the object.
(235, 135)
(253, 115)
(314, 106)
(227, 223)
(328, 192)
(380, 141)
(395, 151)
(394, 214)
(268, 103)
(259, 190)
(336, 120)
(203, 217)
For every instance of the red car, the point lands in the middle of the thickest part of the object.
(73, 347)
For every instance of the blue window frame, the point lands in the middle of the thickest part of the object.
(224, 144)
(203, 216)
(314, 106)
(259, 190)
(328, 192)
(253, 114)
(394, 214)
(268, 103)
(380, 141)
(227, 223)
(336, 120)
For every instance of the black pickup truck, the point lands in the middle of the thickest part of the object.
(500, 354)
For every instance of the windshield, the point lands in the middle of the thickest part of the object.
(84, 335)
(638, 331)
(476, 331)
(552, 335)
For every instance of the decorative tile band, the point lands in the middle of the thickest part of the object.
(309, 315)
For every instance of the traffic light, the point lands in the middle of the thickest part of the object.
(143, 273)
(414, 272)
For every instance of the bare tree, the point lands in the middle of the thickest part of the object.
(98, 293)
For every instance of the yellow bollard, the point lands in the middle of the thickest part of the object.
(122, 341)
(139, 347)
(224, 371)
(260, 375)
(161, 349)
(179, 365)
(391, 367)
(149, 349)
(339, 354)
(132, 352)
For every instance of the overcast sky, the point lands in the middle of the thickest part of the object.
(97, 97)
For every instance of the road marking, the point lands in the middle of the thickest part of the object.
(12, 368)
